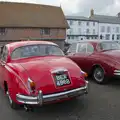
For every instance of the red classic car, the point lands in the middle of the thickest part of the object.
(99, 58)
(37, 73)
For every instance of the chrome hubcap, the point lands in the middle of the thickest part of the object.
(10, 100)
(98, 75)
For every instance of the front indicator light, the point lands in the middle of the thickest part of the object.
(84, 74)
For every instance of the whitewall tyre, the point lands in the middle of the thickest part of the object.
(12, 104)
(99, 76)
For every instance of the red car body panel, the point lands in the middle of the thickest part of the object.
(17, 72)
(108, 60)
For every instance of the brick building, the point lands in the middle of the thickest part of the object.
(23, 21)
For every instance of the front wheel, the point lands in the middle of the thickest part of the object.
(12, 104)
(99, 75)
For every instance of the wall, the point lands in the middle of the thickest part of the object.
(21, 33)
(112, 32)
(80, 30)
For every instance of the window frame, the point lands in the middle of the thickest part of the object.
(2, 31)
(4, 54)
(83, 45)
(45, 31)
(102, 29)
(91, 46)
(31, 56)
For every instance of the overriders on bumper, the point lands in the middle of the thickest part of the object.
(41, 99)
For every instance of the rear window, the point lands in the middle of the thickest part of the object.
(36, 50)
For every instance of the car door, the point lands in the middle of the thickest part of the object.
(3, 59)
(84, 56)
(89, 58)
(80, 55)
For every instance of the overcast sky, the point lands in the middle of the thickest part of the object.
(81, 7)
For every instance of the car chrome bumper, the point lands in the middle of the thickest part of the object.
(41, 99)
(116, 72)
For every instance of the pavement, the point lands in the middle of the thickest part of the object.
(102, 103)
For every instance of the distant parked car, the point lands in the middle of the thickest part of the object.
(37, 73)
(98, 58)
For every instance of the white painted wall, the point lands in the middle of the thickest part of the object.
(113, 31)
(81, 30)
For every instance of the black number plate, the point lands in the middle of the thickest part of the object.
(62, 79)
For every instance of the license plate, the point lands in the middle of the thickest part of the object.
(62, 79)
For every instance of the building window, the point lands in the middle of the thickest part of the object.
(87, 23)
(113, 37)
(71, 22)
(2, 31)
(68, 37)
(101, 37)
(93, 31)
(79, 30)
(87, 37)
(107, 37)
(45, 31)
(102, 28)
(93, 23)
(95, 37)
(72, 37)
(118, 37)
(79, 22)
(117, 29)
(87, 31)
(71, 30)
(108, 29)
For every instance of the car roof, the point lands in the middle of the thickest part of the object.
(14, 45)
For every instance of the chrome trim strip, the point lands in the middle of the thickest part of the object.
(26, 97)
(59, 70)
(64, 93)
(117, 73)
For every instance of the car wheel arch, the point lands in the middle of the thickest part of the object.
(5, 84)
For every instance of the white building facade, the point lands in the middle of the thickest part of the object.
(109, 31)
(109, 26)
(98, 27)
(81, 28)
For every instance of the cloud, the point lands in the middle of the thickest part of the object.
(81, 7)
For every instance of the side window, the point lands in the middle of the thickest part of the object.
(4, 54)
(72, 48)
(82, 48)
(90, 48)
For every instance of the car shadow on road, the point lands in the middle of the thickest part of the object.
(113, 82)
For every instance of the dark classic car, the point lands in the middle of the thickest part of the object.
(99, 58)
(38, 73)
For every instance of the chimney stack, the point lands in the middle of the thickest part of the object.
(118, 14)
(92, 12)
